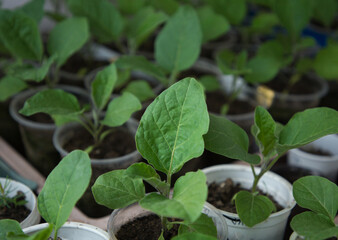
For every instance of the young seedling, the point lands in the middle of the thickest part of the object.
(6, 201)
(320, 196)
(63, 107)
(274, 140)
(63, 188)
(169, 135)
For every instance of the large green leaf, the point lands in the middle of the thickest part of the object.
(120, 109)
(145, 22)
(20, 35)
(67, 37)
(33, 9)
(325, 11)
(40, 235)
(266, 127)
(103, 85)
(52, 102)
(7, 226)
(307, 126)
(317, 194)
(228, 139)
(104, 20)
(263, 69)
(116, 189)
(141, 89)
(252, 208)
(171, 129)
(325, 62)
(203, 225)
(294, 15)
(178, 45)
(314, 226)
(10, 86)
(213, 25)
(190, 193)
(233, 10)
(63, 188)
(148, 174)
(193, 236)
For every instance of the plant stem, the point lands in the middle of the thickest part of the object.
(172, 78)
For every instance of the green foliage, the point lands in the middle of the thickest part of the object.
(41, 235)
(325, 62)
(233, 10)
(194, 236)
(273, 141)
(10, 86)
(320, 196)
(141, 89)
(7, 201)
(130, 6)
(9, 226)
(33, 9)
(325, 11)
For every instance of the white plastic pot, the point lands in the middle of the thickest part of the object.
(34, 217)
(72, 231)
(119, 217)
(271, 183)
(326, 166)
(295, 236)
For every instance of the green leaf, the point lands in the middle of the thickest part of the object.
(252, 208)
(213, 25)
(178, 45)
(313, 226)
(294, 15)
(317, 194)
(116, 189)
(141, 89)
(210, 83)
(190, 193)
(144, 23)
(67, 37)
(7, 226)
(225, 61)
(9, 86)
(307, 126)
(266, 127)
(142, 64)
(120, 109)
(325, 11)
(33, 9)
(63, 188)
(148, 174)
(228, 139)
(40, 235)
(104, 20)
(233, 10)
(20, 35)
(130, 6)
(263, 69)
(264, 22)
(193, 236)
(167, 6)
(103, 85)
(203, 225)
(325, 61)
(52, 102)
(171, 129)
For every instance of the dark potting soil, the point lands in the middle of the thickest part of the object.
(79, 65)
(18, 213)
(220, 195)
(116, 144)
(316, 151)
(41, 118)
(145, 228)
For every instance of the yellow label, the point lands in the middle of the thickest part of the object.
(265, 96)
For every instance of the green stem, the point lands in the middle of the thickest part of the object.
(172, 78)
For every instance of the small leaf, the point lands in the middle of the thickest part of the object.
(116, 189)
(171, 129)
(193, 236)
(317, 194)
(130, 6)
(120, 109)
(40, 235)
(210, 83)
(9, 86)
(325, 61)
(167, 6)
(63, 188)
(190, 193)
(141, 89)
(20, 35)
(226, 138)
(103, 85)
(52, 102)
(264, 22)
(263, 69)
(148, 174)
(253, 209)
(203, 225)
(67, 37)
(33, 9)
(178, 45)
(313, 226)
(7, 226)
(233, 10)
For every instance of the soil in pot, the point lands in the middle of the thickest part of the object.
(145, 228)
(18, 213)
(331, 98)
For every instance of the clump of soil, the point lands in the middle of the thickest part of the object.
(316, 151)
(145, 228)
(118, 143)
(220, 195)
(18, 213)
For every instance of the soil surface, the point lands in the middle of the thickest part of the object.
(79, 65)
(18, 213)
(41, 118)
(144, 228)
(220, 195)
(120, 142)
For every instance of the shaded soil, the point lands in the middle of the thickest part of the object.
(220, 195)
(40, 118)
(316, 151)
(331, 98)
(116, 144)
(18, 213)
(145, 228)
